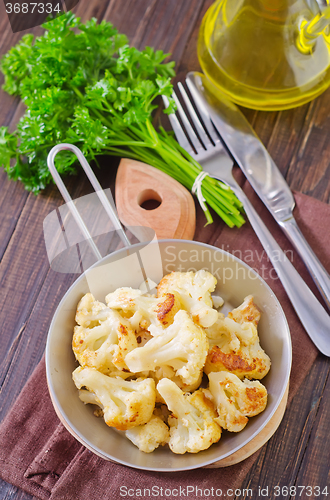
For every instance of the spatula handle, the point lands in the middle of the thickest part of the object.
(98, 189)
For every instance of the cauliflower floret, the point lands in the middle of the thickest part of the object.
(235, 348)
(149, 436)
(106, 341)
(168, 372)
(126, 341)
(246, 312)
(88, 397)
(250, 362)
(125, 404)
(165, 341)
(219, 334)
(192, 425)
(143, 309)
(236, 399)
(195, 292)
(183, 346)
(90, 312)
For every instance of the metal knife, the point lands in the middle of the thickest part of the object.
(261, 171)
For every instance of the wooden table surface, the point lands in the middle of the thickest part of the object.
(297, 139)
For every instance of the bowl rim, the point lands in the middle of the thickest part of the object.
(96, 450)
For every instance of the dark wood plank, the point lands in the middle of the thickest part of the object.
(29, 344)
(281, 133)
(129, 18)
(309, 170)
(24, 267)
(14, 195)
(165, 25)
(316, 460)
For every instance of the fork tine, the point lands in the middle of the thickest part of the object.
(178, 130)
(190, 131)
(200, 129)
(204, 114)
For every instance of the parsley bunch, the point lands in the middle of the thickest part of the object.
(83, 84)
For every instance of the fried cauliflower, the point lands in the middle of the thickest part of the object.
(192, 424)
(103, 340)
(246, 312)
(236, 399)
(250, 362)
(138, 351)
(195, 293)
(143, 310)
(235, 347)
(149, 436)
(90, 312)
(125, 404)
(182, 346)
(221, 335)
(168, 372)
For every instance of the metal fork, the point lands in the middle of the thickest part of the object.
(209, 152)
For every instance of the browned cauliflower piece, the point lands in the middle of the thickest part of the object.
(90, 312)
(250, 362)
(235, 347)
(125, 404)
(161, 346)
(236, 400)
(195, 292)
(182, 346)
(246, 312)
(192, 424)
(144, 310)
(221, 333)
(103, 340)
(149, 436)
(168, 372)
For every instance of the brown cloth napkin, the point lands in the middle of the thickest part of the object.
(38, 455)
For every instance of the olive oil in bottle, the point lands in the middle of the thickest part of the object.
(252, 51)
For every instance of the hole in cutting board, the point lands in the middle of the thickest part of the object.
(149, 199)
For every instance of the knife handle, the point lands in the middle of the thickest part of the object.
(314, 266)
(311, 313)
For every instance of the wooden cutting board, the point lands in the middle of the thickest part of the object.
(145, 196)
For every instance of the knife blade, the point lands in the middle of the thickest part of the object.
(261, 171)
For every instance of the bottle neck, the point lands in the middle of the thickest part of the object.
(309, 31)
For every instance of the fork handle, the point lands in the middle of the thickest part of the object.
(311, 313)
(314, 266)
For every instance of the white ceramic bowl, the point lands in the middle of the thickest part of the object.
(235, 281)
